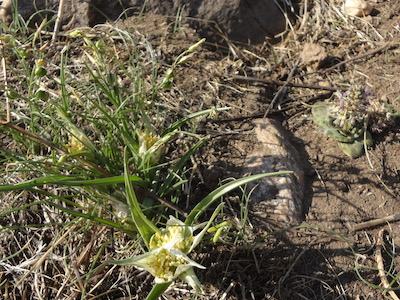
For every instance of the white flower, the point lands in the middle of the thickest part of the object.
(150, 146)
(167, 258)
(168, 264)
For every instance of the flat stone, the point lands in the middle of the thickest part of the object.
(265, 147)
(276, 198)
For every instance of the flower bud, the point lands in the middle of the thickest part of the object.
(40, 70)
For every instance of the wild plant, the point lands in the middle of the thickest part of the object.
(351, 116)
(91, 139)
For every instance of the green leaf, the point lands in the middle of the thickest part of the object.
(182, 121)
(145, 227)
(356, 149)
(320, 114)
(222, 190)
(68, 181)
(321, 117)
(190, 277)
(157, 290)
(131, 261)
(168, 182)
(199, 237)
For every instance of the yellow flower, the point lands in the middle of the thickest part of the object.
(166, 264)
(167, 258)
(176, 235)
(150, 147)
(146, 140)
(75, 146)
(40, 68)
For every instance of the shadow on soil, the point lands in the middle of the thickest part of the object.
(280, 272)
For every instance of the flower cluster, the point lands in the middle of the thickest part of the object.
(150, 146)
(167, 257)
(355, 107)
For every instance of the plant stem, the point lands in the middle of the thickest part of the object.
(158, 290)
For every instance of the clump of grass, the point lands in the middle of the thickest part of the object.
(75, 109)
(91, 141)
(73, 119)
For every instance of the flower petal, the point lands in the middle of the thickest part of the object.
(172, 221)
(142, 261)
(190, 277)
(176, 235)
(189, 262)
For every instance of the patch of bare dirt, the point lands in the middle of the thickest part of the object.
(321, 259)
(327, 260)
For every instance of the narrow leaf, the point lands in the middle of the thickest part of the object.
(182, 121)
(68, 181)
(93, 218)
(222, 190)
(145, 227)
(166, 186)
(199, 237)
(190, 277)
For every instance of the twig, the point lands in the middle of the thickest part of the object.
(281, 89)
(305, 15)
(376, 222)
(381, 266)
(272, 113)
(40, 261)
(33, 137)
(358, 57)
(58, 21)
(284, 83)
(3, 66)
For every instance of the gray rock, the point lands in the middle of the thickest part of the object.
(242, 20)
(276, 198)
(76, 12)
(265, 148)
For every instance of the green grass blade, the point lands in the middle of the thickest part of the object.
(145, 227)
(177, 168)
(157, 290)
(222, 190)
(93, 218)
(199, 237)
(68, 181)
(182, 121)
